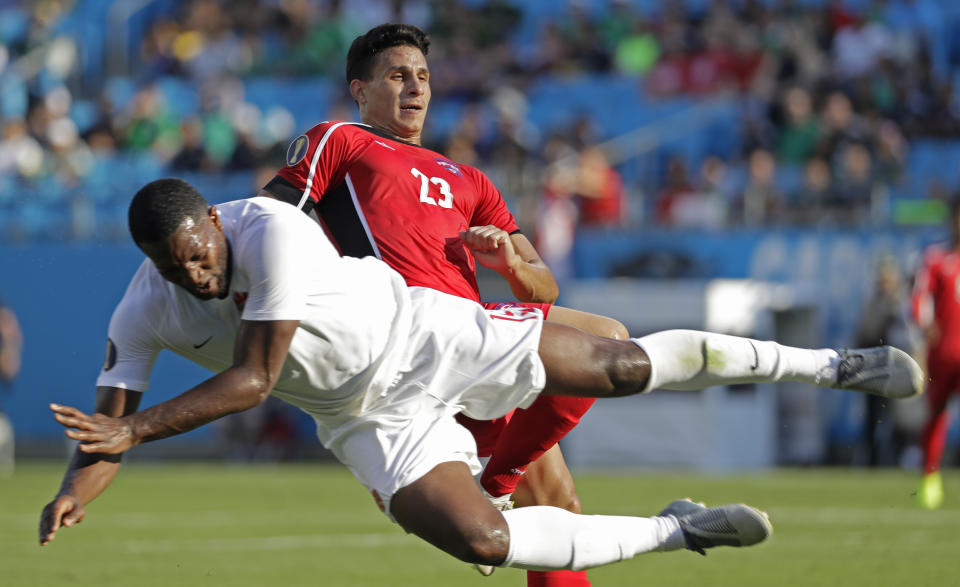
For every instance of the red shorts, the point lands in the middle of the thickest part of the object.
(487, 432)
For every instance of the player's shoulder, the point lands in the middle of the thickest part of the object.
(239, 214)
(936, 253)
(320, 134)
(147, 294)
(328, 128)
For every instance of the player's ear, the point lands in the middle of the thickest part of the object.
(357, 91)
(214, 217)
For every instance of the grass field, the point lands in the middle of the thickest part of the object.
(198, 524)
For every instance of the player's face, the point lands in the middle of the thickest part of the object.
(195, 257)
(396, 97)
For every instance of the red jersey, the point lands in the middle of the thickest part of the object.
(936, 300)
(402, 203)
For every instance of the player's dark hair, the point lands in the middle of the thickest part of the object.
(365, 48)
(161, 206)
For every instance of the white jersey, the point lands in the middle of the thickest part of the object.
(352, 313)
(380, 367)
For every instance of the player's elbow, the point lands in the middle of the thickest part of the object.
(546, 293)
(257, 388)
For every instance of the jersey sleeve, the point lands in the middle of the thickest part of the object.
(921, 299)
(132, 348)
(272, 256)
(314, 162)
(491, 209)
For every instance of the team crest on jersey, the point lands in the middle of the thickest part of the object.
(111, 358)
(297, 150)
(449, 166)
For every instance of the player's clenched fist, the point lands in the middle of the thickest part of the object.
(97, 433)
(491, 246)
(62, 511)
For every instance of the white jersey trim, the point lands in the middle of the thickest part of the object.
(363, 219)
(313, 163)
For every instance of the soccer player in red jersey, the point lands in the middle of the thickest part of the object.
(936, 308)
(378, 192)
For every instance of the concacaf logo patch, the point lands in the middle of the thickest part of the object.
(449, 166)
(111, 359)
(297, 150)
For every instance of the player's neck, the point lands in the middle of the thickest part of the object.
(413, 140)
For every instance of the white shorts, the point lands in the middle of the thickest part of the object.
(460, 358)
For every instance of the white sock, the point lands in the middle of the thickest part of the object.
(544, 538)
(690, 359)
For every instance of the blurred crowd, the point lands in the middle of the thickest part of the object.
(830, 96)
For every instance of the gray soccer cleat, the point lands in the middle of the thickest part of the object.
(727, 525)
(682, 507)
(884, 370)
(502, 503)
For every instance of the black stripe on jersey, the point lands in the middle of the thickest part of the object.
(285, 191)
(342, 220)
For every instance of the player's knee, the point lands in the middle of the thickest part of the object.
(485, 546)
(614, 329)
(628, 368)
(568, 500)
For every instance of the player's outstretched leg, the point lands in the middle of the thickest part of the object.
(690, 359)
(544, 537)
(446, 508)
(583, 365)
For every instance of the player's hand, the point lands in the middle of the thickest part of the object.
(97, 433)
(491, 247)
(62, 511)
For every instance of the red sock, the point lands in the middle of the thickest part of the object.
(557, 579)
(529, 434)
(934, 437)
(485, 432)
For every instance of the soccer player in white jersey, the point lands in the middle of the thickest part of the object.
(253, 291)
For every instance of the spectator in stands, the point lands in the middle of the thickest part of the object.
(855, 192)
(841, 126)
(762, 203)
(797, 140)
(812, 200)
(602, 197)
(11, 344)
(676, 186)
(706, 206)
(191, 156)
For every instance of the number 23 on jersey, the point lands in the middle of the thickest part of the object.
(446, 196)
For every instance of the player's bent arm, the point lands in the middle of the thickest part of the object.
(259, 354)
(514, 258)
(531, 281)
(87, 474)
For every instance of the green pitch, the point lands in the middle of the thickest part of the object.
(185, 525)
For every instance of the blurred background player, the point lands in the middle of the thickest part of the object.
(11, 343)
(936, 309)
(884, 319)
(363, 181)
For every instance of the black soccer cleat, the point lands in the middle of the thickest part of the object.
(726, 525)
(884, 370)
